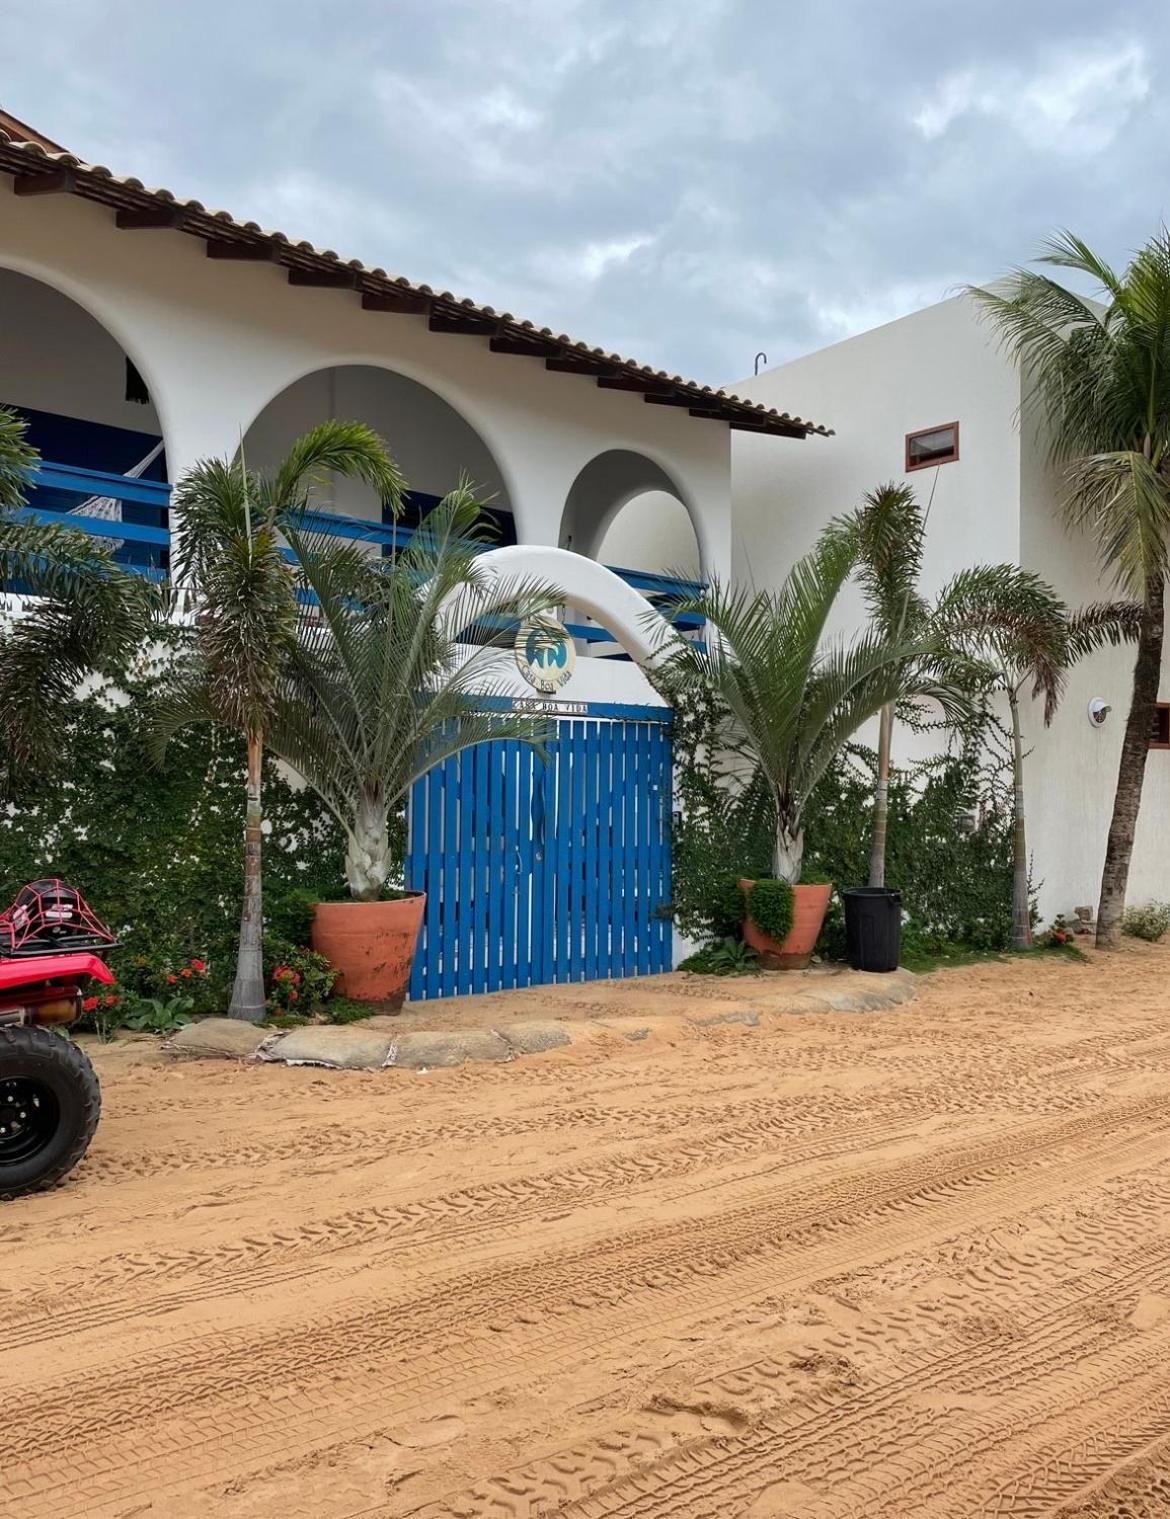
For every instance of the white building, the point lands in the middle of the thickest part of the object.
(140, 333)
(941, 375)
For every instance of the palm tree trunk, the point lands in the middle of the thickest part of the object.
(787, 848)
(1131, 773)
(248, 992)
(367, 854)
(1021, 915)
(881, 800)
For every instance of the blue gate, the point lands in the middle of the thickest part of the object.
(545, 869)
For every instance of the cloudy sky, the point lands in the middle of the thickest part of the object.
(685, 181)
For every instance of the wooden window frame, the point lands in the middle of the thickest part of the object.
(922, 432)
(1162, 716)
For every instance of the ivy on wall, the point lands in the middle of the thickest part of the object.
(158, 851)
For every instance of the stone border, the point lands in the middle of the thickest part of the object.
(358, 1047)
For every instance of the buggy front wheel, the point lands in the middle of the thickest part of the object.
(49, 1106)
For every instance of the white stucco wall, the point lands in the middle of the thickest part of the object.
(217, 340)
(934, 367)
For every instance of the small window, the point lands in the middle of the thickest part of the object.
(1160, 732)
(933, 445)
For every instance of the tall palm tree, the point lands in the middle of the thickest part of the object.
(388, 672)
(243, 595)
(83, 613)
(1018, 633)
(891, 531)
(791, 699)
(1099, 374)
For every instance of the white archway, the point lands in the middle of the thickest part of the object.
(613, 481)
(434, 443)
(94, 312)
(638, 626)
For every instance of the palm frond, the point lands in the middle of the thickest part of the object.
(1122, 499)
(333, 447)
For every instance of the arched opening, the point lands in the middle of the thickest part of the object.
(625, 511)
(653, 533)
(606, 485)
(90, 417)
(433, 444)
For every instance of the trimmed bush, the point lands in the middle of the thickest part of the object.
(770, 908)
(1148, 922)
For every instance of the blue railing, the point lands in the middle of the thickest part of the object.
(61, 493)
(74, 497)
(656, 588)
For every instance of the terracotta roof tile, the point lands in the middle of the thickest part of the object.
(28, 160)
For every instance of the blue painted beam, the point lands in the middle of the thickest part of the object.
(92, 482)
(100, 527)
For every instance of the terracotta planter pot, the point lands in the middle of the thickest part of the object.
(809, 905)
(372, 945)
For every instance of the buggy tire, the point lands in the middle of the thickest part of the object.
(36, 1060)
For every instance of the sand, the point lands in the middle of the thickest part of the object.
(895, 1264)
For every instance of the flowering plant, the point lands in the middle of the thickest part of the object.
(299, 980)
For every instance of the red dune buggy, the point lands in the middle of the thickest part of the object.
(51, 948)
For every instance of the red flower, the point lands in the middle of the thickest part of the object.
(296, 978)
(185, 973)
(171, 979)
(198, 965)
(292, 996)
(110, 1000)
(89, 1005)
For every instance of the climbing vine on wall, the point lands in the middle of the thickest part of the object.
(158, 850)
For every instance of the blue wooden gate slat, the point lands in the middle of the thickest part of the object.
(508, 872)
(605, 875)
(645, 831)
(594, 888)
(664, 810)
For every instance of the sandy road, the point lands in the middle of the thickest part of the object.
(907, 1264)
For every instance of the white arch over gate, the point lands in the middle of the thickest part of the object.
(638, 626)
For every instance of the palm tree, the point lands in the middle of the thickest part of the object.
(84, 614)
(243, 590)
(791, 700)
(1014, 629)
(1099, 374)
(389, 670)
(891, 530)
(1000, 626)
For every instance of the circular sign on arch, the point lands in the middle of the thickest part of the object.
(545, 654)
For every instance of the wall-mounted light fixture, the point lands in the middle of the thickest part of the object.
(1099, 710)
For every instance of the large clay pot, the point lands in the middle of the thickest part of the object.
(809, 905)
(371, 944)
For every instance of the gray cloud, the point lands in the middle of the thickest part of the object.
(683, 182)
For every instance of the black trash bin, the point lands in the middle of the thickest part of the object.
(873, 927)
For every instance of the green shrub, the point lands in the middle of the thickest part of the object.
(769, 905)
(1148, 922)
(955, 881)
(725, 957)
(290, 916)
